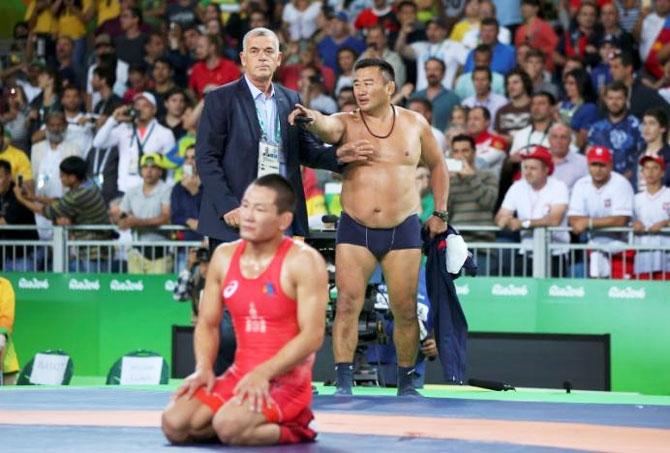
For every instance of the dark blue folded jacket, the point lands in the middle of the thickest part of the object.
(449, 323)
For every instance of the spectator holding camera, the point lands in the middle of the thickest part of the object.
(146, 206)
(134, 130)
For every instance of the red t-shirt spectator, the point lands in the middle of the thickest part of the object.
(201, 76)
(539, 35)
(290, 74)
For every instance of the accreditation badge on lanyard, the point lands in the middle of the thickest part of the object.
(269, 154)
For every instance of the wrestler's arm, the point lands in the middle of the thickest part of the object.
(329, 128)
(434, 159)
(307, 271)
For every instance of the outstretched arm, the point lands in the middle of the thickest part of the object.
(329, 128)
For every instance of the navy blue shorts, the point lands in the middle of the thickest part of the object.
(380, 241)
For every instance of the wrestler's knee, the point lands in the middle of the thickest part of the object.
(404, 312)
(348, 304)
(227, 426)
(175, 425)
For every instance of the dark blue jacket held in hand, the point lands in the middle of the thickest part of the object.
(449, 323)
(227, 154)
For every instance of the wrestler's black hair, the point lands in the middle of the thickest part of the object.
(286, 198)
(385, 68)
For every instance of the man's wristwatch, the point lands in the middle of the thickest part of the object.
(526, 224)
(442, 215)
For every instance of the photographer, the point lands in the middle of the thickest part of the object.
(135, 131)
(190, 283)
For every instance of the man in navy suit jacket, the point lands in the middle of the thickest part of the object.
(238, 116)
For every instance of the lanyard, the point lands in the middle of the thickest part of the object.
(544, 135)
(142, 143)
(264, 130)
(99, 166)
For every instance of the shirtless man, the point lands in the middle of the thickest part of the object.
(380, 202)
(276, 291)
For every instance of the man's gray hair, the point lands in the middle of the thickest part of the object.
(259, 31)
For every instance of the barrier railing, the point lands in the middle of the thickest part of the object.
(543, 257)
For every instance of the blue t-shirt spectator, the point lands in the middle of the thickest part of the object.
(623, 139)
(583, 116)
(328, 49)
(184, 206)
(503, 61)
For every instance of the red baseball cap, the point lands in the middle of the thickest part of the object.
(599, 154)
(540, 153)
(658, 159)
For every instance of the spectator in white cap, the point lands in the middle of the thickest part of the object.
(536, 200)
(135, 131)
(652, 214)
(603, 199)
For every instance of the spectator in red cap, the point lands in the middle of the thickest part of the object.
(603, 199)
(536, 200)
(651, 214)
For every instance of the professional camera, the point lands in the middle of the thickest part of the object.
(132, 114)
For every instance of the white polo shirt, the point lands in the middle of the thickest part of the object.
(614, 198)
(531, 204)
(529, 136)
(650, 209)
(451, 52)
(156, 139)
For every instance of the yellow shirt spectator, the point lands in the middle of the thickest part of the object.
(19, 162)
(461, 28)
(108, 10)
(45, 23)
(10, 363)
(69, 23)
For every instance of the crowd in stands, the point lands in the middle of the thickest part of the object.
(550, 112)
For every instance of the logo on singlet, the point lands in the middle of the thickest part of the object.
(268, 289)
(229, 290)
(254, 323)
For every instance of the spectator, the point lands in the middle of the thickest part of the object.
(146, 207)
(138, 82)
(290, 74)
(487, 10)
(515, 115)
(536, 200)
(452, 53)
(299, 16)
(46, 157)
(491, 148)
(15, 117)
(603, 199)
(102, 82)
(345, 97)
(508, 13)
(542, 115)
(9, 365)
(82, 204)
(569, 166)
(443, 100)
(47, 101)
(12, 212)
(312, 91)
(346, 57)
(619, 131)
(472, 196)
(581, 39)
(72, 17)
(185, 198)
(482, 58)
(536, 32)
(107, 11)
(134, 131)
(105, 56)
(655, 127)
(102, 166)
(381, 13)
(651, 214)
(484, 97)
(613, 31)
(601, 76)
(80, 125)
(20, 164)
(338, 36)
(212, 70)
(579, 109)
(640, 97)
(182, 12)
(162, 75)
(534, 64)
(154, 49)
(425, 108)
(469, 22)
(630, 14)
(42, 24)
(655, 39)
(130, 45)
(175, 106)
(503, 56)
(68, 68)
(377, 43)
